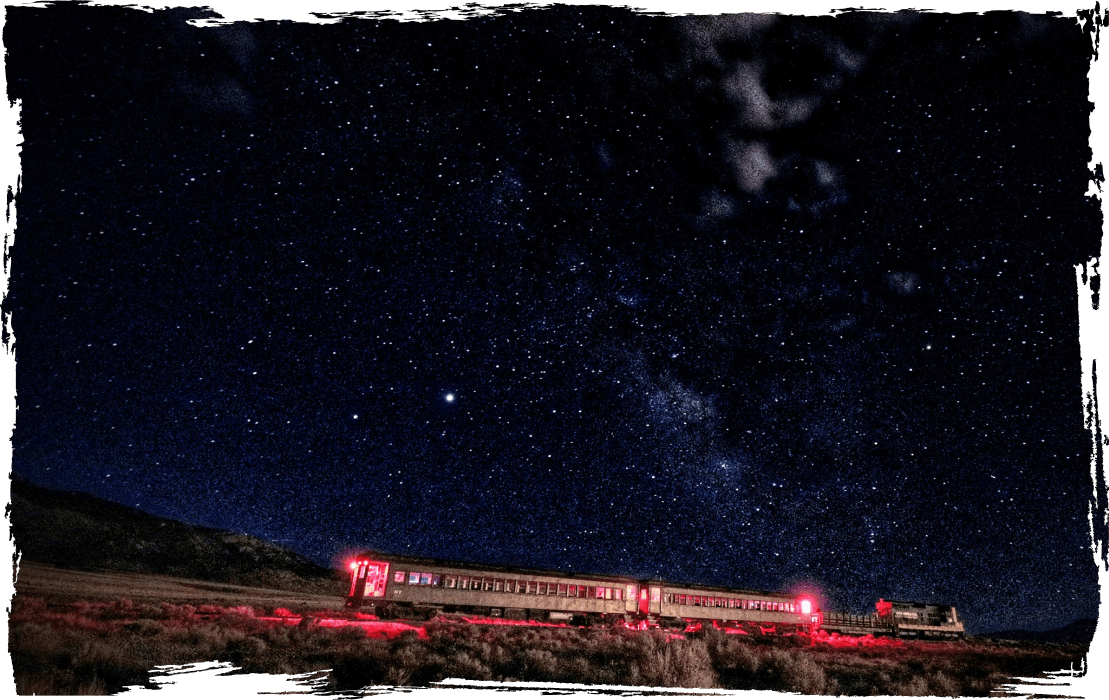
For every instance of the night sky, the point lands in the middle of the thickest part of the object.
(750, 301)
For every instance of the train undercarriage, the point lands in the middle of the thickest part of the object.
(403, 611)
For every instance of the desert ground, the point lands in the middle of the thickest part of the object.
(97, 632)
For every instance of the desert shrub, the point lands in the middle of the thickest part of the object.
(915, 686)
(39, 641)
(682, 664)
(407, 659)
(736, 662)
(247, 650)
(360, 666)
(177, 613)
(940, 685)
(466, 665)
(800, 673)
(58, 682)
(537, 664)
(241, 621)
(110, 663)
(146, 627)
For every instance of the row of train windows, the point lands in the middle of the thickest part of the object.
(705, 601)
(500, 585)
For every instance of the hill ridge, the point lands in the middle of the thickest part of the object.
(76, 530)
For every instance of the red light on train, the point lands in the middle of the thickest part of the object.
(806, 606)
(353, 565)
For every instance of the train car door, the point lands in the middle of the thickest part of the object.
(377, 573)
(367, 580)
(644, 601)
(631, 599)
(656, 600)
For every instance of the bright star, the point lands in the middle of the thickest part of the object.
(449, 398)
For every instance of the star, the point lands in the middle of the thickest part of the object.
(449, 398)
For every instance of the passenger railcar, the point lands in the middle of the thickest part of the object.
(417, 586)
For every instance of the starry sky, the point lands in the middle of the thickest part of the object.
(741, 300)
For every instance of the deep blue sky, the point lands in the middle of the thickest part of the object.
(755, 302)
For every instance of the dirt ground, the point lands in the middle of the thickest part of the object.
(55, 585)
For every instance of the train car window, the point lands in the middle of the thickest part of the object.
(451, 581)
(487, 584)
(413, 577)
(561, 590)
(425, 579)
(591, 592)
(601, 592)
(618, 593)
(552, 588)
(398, 577)
(529, 587)
(498, 585)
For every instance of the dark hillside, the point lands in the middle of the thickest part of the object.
(1077, 632)
(79, 531)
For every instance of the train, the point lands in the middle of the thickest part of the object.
(406, 586)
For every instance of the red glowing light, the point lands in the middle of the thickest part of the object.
(806, 606)
(353, 565)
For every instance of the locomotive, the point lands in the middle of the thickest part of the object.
(413, 587)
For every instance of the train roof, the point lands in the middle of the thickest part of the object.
(717, 589)
(500, 568)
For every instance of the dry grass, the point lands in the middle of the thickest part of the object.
(100, 647)
(55, 585)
